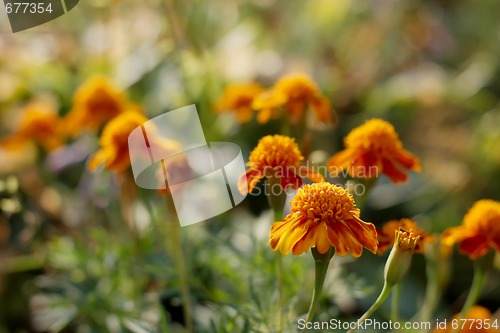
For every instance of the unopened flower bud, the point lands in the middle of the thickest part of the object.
(400, 257)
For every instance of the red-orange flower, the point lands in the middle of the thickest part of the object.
(371, 149)
(276, 156)
(479, 320)
(95, 102)
(323, 215)
(39, 124)
(386, 235)
(479, 232)
(295, 93)
(238, 98)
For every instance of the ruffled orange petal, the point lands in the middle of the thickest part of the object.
(391, 170)
(100, 157)
(455, 234)
(248, 181)
(284, 235)
(295, 110)
(366, 165)
(291, 179)
(343, 240)
(408, 160)
(323, 110)
(495, 242)
(314, 175)
(244, 114)
(365, 233)
(341, 160)
(322, 241)
(475, 246)
(310, 238)
(264, 115)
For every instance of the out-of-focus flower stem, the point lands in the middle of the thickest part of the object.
(435, 282)
(481, 268)
(174, 243)
(279, 277)
(368, 185)
(277, 203)
(321, 263)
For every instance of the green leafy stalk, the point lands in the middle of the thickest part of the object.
(321, 262)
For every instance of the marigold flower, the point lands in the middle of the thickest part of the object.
(387, 236)
(480, 231)
(277, 156)
(399, 260)
(295, 93)
(114, 142)
(39, 124)
(268, 104)
(95, 102)
(479, 320)
(238, 98)
(374, 148)
(323, 215)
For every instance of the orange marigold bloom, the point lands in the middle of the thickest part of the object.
(480, 314)
(39, 124)
(238, 98)
(277, 156)
(386, 235)
(479, 232)
(323, 215)
(95, 102)
(295, 93)
(374, 148)
(114, 151)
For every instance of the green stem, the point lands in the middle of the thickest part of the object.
(433, 290)
(278, 260)
(23, 263)
(368, 185)
(386, 290)
(481, 268)
(395, 302)
(176, 244)
(321, 262)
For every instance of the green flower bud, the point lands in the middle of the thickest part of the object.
(400, 257)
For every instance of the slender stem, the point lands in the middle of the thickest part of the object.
(22, 263)
(176, 245)
(278, 260)
(386, 290)
(481, 268)
(368, 185)
(321, 262)
(433, 290)
(395, 302)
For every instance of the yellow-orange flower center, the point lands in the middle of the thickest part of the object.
(324, 202)
(375, 135)
(275, 151)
